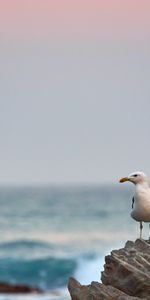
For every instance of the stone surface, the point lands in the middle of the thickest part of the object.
(128, 269)
(96, 291)
(126, 276)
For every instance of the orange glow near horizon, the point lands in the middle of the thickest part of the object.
(97, 17)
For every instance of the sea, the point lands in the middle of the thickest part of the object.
(49, 233)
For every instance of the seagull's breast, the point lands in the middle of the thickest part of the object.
(141, 209)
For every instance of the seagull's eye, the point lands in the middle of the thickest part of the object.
(135, 175)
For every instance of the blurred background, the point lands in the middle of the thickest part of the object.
(74, 118)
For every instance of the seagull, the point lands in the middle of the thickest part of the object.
(141, 200)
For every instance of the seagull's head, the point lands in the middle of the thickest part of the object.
(136, 178)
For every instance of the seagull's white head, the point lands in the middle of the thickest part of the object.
(136, 178)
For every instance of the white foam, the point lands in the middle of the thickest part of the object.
(89, 270)
(48, 296)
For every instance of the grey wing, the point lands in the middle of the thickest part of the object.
(132, 202)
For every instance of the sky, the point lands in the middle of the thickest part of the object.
(74, 96)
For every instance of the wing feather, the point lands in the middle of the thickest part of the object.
(132, 202)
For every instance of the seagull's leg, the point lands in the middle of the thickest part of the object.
(149, 230)
(141, 227)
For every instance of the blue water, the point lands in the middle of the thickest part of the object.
(50, 233)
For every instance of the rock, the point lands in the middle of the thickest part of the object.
(6, 288)
(96, 291)
(126, 276)
(128, 269)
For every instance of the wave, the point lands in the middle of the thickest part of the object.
(24, 244)
(34, 263)
(45, 273)
(20, 265)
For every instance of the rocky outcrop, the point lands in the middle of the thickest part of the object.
(128, 269)
(6, 288)
(126, 276)
(95, 291)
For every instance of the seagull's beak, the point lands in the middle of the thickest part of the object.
(124, 179)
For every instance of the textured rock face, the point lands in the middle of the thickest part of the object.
(126, 276)
(128, 269)
(95, 291)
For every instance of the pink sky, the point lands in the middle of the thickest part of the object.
(81, 17)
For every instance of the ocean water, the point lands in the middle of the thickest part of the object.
(50, 233)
